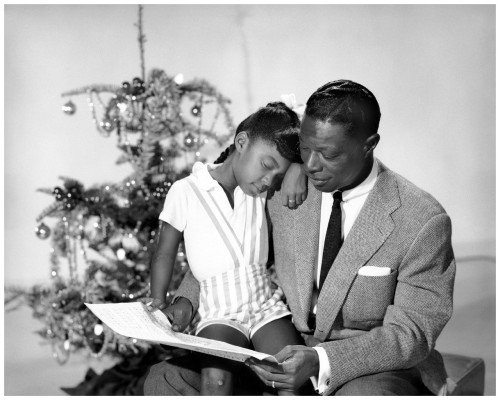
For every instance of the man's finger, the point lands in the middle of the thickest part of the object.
(272, 368)
(285, 353)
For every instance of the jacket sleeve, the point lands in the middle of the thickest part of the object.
(422, 306)
(190, 289)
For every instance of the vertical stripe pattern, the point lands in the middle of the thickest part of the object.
(242, 294)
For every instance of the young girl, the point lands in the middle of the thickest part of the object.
(220, 212)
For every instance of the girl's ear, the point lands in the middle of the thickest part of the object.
(241, 141)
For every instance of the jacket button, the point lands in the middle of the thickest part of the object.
(327, 382)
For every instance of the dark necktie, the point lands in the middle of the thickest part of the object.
(333, 238)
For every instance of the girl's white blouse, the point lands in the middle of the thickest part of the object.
(206, 252)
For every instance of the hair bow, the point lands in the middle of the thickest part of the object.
(291, 101)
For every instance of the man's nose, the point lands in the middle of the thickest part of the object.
(312, 162)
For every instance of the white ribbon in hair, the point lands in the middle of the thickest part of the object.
(291, 101)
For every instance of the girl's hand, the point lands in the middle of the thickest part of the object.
(294, 187)
(153, 304)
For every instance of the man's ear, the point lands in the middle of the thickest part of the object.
(241, 141)
(370, 143)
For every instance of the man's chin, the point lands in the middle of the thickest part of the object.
(322, 186)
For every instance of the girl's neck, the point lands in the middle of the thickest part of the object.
(224, 174)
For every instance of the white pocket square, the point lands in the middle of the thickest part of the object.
(371, 270)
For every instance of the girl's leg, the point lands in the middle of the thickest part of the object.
(217, 372)
(273, 337)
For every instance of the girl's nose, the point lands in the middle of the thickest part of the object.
(266, 180)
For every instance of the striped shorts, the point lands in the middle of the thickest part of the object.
(242, 298)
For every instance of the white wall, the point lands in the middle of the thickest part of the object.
(432, 69)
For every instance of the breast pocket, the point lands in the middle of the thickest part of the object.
(367, 300)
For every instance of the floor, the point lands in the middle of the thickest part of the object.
(30, 370)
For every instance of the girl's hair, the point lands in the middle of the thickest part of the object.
(345, 102)
(275, 123)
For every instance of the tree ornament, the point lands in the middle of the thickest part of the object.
(189, 140)
(60, 353)
(121, 254)
(69, 108)
(42, 231)
(107, 125)
(138, 86)
(196, 110)
(75, 192)
(127, 88)
(179, 79)
(58, 193)
(98, 329)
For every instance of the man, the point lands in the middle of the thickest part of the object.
(366, 263)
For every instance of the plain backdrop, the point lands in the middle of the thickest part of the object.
(431, 67)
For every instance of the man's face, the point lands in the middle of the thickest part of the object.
(333, 158)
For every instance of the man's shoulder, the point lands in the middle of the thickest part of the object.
(411, 195)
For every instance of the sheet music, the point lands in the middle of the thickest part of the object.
(134, 320)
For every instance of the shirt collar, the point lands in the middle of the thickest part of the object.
(205, 180)
(365, 186)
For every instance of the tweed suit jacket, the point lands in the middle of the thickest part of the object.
(371, 324)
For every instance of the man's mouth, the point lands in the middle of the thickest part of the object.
(318, 180)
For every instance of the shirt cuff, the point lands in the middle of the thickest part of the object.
(324, 371)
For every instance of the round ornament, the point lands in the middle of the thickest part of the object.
(60, 351)
(121, 254)
(98, 329)
(69, 108)
(127, 88)
(196, 111)
(107, 125)
(42, 231)
(189, 140)
(58, 193)
(138, 86)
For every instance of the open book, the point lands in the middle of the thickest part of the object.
(135, 321)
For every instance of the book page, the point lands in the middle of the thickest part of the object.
(135, 321)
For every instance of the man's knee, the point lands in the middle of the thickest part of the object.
(173, 378)
(392, 383)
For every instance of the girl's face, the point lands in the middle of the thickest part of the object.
(259, 166)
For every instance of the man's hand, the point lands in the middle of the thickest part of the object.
(180, 314)
(294, 187)
(297, 365)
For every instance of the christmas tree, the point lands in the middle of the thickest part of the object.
(161, 124)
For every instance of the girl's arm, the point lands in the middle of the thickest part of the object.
(294, 186)
(163, 262)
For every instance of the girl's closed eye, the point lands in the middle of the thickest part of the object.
(266, 165)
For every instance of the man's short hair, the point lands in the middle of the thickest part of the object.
(345, 102)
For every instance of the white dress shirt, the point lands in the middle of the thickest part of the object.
(352, 202)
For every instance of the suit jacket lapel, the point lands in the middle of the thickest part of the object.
(306, 228)
(370, 230)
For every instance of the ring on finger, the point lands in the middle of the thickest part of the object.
(274, 387)
(291, 201)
